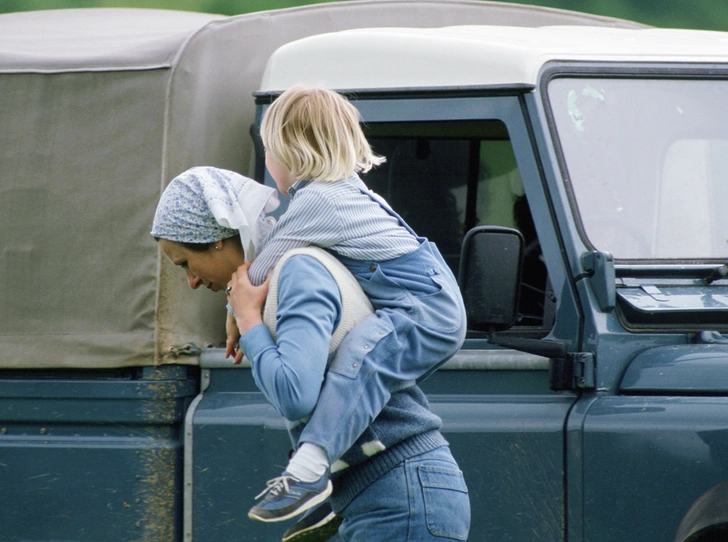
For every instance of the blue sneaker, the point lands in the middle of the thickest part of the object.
(317, 525)
(287, 496)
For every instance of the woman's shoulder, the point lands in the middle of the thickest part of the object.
(302, 264)
(303, 276)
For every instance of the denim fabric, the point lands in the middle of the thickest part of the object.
(423, 499)
(418, 324)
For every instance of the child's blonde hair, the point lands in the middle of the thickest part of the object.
(315, 134)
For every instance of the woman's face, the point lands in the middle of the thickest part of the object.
(211, 268)
(284, 179)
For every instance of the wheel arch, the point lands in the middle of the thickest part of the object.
(707, 518)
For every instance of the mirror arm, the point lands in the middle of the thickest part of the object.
(539, 347)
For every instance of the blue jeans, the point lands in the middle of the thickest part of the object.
(419, 323)
(422, 499)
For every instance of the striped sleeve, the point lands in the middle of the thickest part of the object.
(309, 220)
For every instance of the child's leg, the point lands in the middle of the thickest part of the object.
(375, 359)
(413, 331)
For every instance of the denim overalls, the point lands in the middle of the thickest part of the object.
(418, 324)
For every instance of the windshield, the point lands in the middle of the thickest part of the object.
(647, 162)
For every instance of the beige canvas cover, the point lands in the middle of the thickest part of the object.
(100, 109)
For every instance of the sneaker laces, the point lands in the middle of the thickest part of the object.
(276, 484)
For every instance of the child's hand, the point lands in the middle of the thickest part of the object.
(247, 300)
(232, 348)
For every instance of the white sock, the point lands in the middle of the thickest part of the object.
(309, 463)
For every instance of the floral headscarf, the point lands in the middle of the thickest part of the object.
(207, 204)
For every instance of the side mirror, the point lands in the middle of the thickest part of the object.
(490, 276)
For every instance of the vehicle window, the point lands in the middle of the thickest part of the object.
(445, 178)
(646, 163)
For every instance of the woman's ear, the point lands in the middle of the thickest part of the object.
(232, 247)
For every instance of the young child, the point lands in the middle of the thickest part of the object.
(314, 149)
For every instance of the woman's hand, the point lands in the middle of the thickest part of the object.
(232, 347)
(247, 300)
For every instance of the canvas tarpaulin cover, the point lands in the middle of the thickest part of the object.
(82, 134)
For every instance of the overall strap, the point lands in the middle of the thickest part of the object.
(383, 203)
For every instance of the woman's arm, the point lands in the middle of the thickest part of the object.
(290, 370)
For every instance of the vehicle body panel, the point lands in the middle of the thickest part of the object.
(504, 426)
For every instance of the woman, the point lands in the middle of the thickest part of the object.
(211, 223)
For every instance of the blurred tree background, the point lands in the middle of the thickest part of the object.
(699, 14)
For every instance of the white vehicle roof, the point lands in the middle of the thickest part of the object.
(473, 55)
